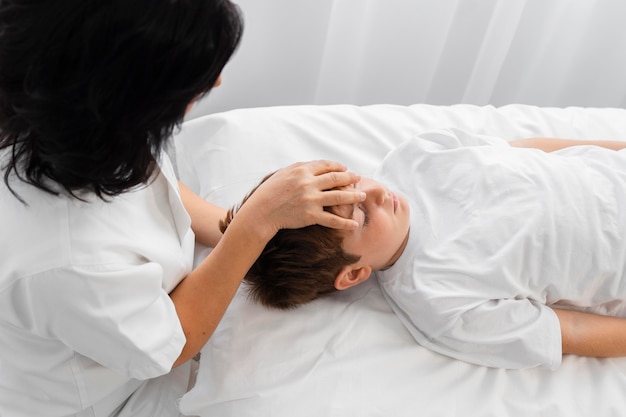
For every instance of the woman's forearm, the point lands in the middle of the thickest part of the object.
(205, 216)
(204, 295)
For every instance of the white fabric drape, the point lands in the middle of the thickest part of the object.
(541, 52)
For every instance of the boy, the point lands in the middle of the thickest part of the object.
(514, 256)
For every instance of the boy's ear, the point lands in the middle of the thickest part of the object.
(351, 275)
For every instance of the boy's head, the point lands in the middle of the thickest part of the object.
(300, 265)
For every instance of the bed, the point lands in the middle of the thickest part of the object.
(348, 354)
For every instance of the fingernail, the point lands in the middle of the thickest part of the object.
(363, 196)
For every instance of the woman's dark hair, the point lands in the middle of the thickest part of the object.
(296, 266)
(90, 90)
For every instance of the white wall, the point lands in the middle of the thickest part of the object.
(543, 52)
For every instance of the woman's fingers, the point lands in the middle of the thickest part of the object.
(322, 166)
(341, 197)
(296, 196)
(329, 174)
(331, 180)
(331, 186)
(334, 221)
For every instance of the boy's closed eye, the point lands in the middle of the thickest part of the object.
(366, 217)
(356, 212)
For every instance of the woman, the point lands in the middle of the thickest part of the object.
(98, 301)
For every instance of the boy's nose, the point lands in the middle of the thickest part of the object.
(375, 193)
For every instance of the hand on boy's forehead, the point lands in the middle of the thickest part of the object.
(344, 210)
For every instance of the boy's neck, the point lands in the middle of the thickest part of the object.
(398, 253)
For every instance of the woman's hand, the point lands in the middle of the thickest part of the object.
(295, 197)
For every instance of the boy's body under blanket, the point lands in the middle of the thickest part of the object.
(497, 235)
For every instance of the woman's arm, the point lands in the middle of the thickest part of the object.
(205, 216)
(554, 144)
(587, 334)
(293, 197)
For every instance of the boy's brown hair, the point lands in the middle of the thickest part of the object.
(296, 266)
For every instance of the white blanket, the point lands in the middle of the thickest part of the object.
(348, 354)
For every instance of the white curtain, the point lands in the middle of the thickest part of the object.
(542, 52)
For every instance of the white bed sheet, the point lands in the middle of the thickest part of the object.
(348, 354)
